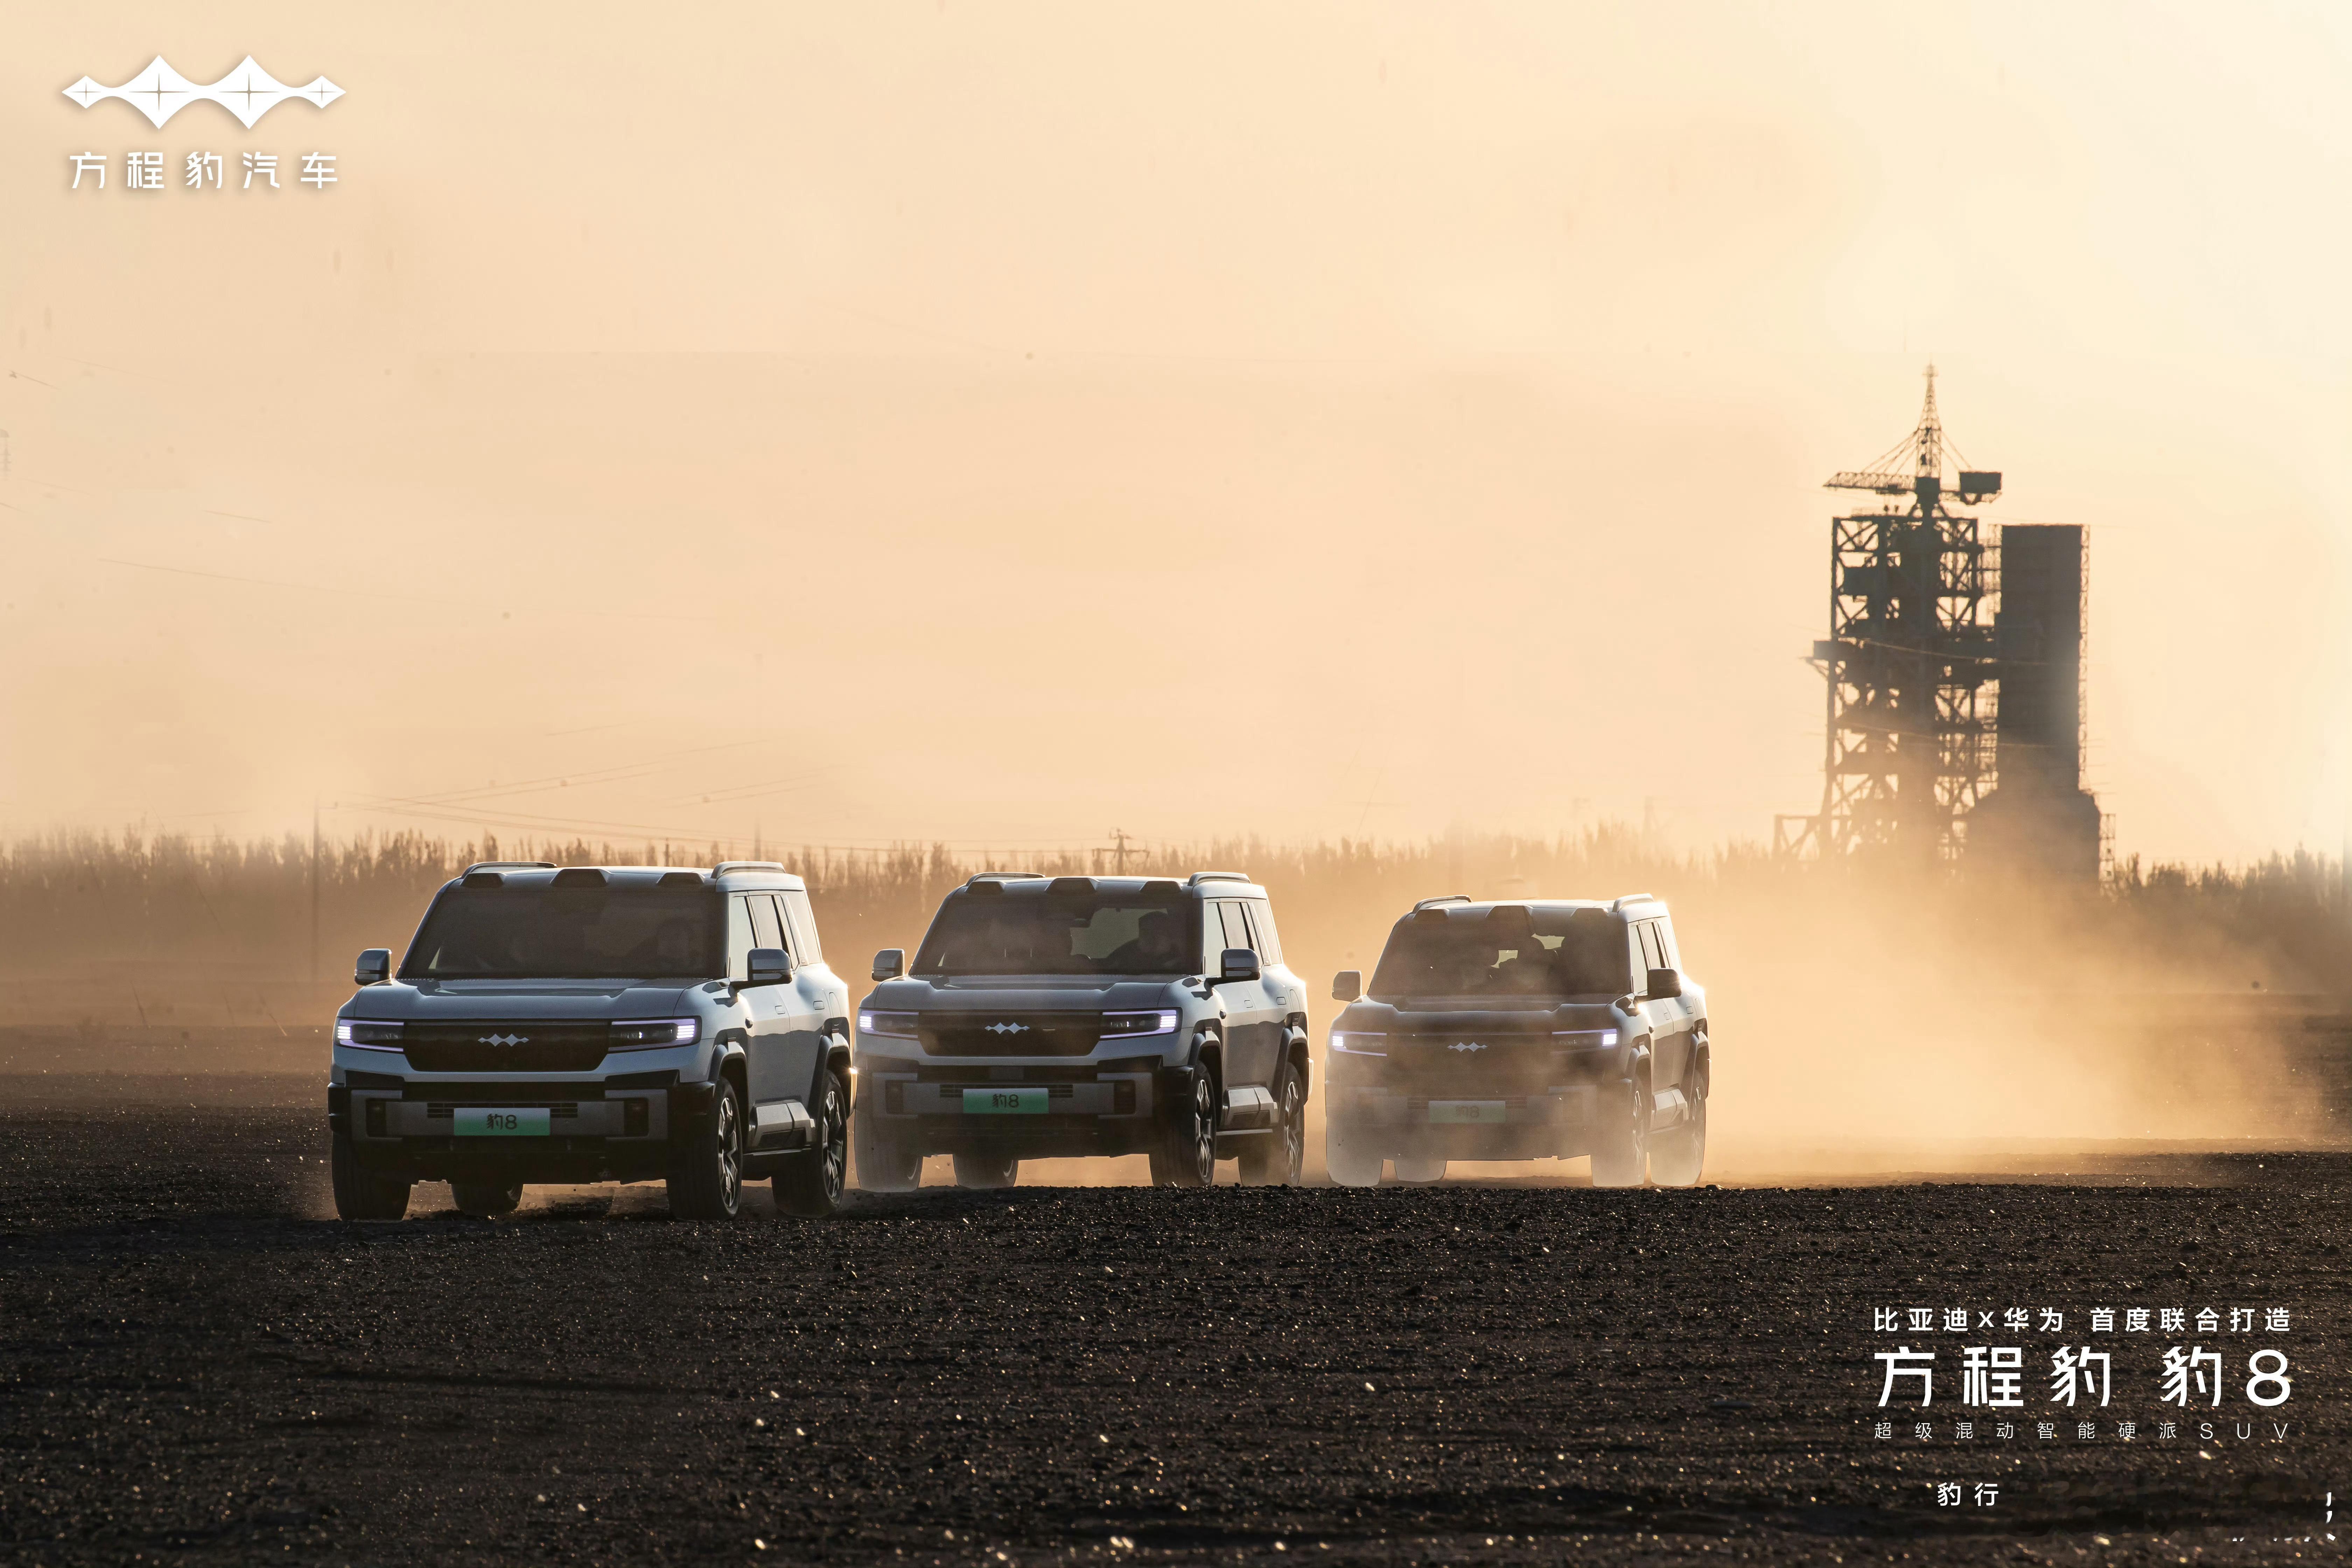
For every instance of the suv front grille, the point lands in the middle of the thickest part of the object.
(1010, 1034)
(1504, 1063)
(528, 1047)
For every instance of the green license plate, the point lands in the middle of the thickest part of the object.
(1474, 1111)
(478, 1122)
(1004, 1102)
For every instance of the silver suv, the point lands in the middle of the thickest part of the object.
(1536, 1029)
(597, 1023)
(1072, 1015)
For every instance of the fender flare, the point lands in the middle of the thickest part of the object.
(1298, 1053)
(836, 1056)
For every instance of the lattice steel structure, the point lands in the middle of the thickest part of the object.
(1911, 658)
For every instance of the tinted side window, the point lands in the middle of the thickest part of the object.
(766, 929)
(739, 939)
(1212, 936)
(1666, 944)
(803, 920)
(1653, 957)
(1237, 933)
(1269, 944)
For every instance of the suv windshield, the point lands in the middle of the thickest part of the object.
(1507, 950)
(1045, 933)
(535, 932)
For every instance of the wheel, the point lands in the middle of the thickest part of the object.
(1677, 1154)
(1419, 1170)
(706, 1173)
(883, 1164)
(1190, 1158)
(362, 1193)
(987, 1171)
(1276, 1162)
(1351, 1161)
(483, 1199)
(1623, 1156)
(811, 1184)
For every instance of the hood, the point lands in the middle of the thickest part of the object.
(459, 1001)
(1025, 992)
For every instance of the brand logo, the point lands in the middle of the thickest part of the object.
(1008, 1028)
(1467, 1045)
(503, 1040)
(248, 92)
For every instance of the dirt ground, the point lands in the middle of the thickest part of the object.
(196, 1365)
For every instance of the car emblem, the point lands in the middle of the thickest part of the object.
(1467, 1045)
(1008, 1028)
(504, 1040)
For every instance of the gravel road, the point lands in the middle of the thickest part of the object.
(200, 1367)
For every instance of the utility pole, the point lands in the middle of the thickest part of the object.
(1119, 842)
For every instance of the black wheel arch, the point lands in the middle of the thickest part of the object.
(834, 1057)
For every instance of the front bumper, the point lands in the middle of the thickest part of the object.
(619, 1127)
(1041, 1108)
(1559, 1122)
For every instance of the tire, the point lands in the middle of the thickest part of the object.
(706, 1176)
(884, 1164)
(1679, 1153)
(811, 1184)
(1352, 1163)
(987, 1171)
(362, 1193)
(482, 1200)
(1190, 1158)
(1276, 1161)
(1622, 1158)
(1419, 1170)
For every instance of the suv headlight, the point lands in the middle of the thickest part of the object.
(652, 1034)
(1588, 1039)
(367, 1036)
(1134, 1025)
(892, 1025)
(1357, 1043)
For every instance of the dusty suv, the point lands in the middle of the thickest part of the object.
(1521, 1031)
(597, 1023)
(1086, 1016)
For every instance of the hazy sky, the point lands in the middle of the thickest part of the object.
(999, 422)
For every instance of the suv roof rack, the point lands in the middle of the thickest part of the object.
(1000, 877)
(1447, 898)
(510, 866)
(726, 866)
(1625, 898)
(1200, 877)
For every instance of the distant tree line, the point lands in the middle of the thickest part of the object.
(75, 904)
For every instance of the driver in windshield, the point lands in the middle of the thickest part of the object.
(1158, 947)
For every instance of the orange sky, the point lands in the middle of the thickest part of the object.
(999, 422)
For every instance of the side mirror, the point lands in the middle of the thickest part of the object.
(1664, 983)
(889, 964)
(374, 966)
(1235, 965)
(1347, 985)
(769, 966)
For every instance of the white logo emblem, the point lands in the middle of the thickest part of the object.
(248, 92)
(1008, 1028)
(503, 1040)
(1467, 1045)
